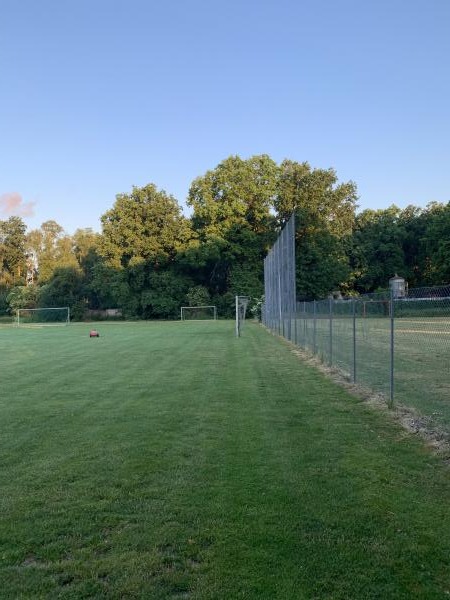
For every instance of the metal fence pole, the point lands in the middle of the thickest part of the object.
(305, 325)
(331, 331)
(279, 301)
(391, 382)
(314, 326)
(354, 341)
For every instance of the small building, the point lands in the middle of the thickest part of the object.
(398, 286)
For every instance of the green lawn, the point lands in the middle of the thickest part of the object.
(172, 460)
(422, 356)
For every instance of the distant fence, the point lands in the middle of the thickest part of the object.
(397, 347)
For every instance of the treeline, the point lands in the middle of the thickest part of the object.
(150, 259)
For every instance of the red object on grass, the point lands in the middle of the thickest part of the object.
(94, 333)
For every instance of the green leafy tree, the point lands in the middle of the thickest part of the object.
(318, 199)
(65, 288)
(22, 297)
(233, 217)
(245, 280)
(415, 222)
(198, 295)
(165, 294)
(207, 264)
(378, 248)
(436, 242)
(236, 193)
(146, 225)
(109, 288)
(12, 250)
(84, 243)
(53, 247)
(322, 265)
(325, 214)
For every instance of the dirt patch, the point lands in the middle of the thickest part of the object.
(33, 562)
(435, 437)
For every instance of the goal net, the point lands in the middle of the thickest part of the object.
(241, 309)
(198, 313)
(43, 316)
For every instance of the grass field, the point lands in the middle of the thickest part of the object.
(172, 460)
(422, 356)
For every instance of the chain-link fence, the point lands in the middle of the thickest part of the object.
(398, 347)
(279, 278)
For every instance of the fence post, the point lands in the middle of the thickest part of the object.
(314, 326)
(295, 326)
(280, 313)
(331, 331)
(354, 341)
(304, 325)
(391, 382)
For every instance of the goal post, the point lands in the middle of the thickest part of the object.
(241, 309)
(198, 313)
(43, 316)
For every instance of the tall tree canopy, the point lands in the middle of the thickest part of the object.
(233, 217)
(325, 215)
(317, 197)
(146, 225)
(237, 193)
(54, 249)
(378, 248)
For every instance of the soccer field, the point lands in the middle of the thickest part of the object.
(173, 460)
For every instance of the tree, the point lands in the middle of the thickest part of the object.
(198, 295)
(233, 217)
(85, 243)
(12, 250)
(245, 280)
(322, 265)
(109, 288)
(415, 222)
(165, 294)
(236, 193)
(22, 297)
(378, 252)
(436, 241)
(325, 213)
(53, 247)
(316, 196)
(65, 288)
(146, 225)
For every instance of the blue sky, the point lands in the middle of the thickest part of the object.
(100, 95)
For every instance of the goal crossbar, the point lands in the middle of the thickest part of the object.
(199, 313)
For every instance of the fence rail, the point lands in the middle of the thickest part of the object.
(398, 347)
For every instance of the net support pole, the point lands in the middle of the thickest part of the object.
(237, 316)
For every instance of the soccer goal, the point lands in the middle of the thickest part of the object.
(198, 313)
(43, 316)
(241, 309)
